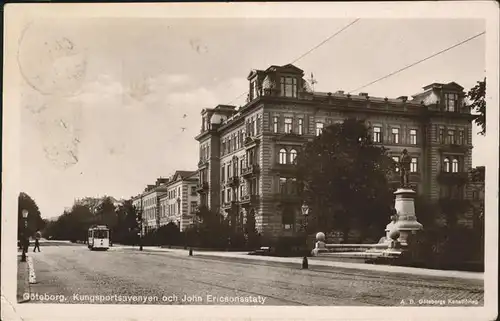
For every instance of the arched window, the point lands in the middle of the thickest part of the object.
(454, 167)
(293, 156)
(446, 164)
(282, 156)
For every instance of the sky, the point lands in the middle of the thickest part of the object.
(109, 105)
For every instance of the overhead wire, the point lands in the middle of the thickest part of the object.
(419, 61)
(309, 51)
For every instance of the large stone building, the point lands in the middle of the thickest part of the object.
(173, 199)
(246, 161)
(180, 203)
(148, 202)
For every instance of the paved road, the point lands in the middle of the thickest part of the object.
(73, 274)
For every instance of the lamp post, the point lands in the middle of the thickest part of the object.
(305, 213)
(25, 235)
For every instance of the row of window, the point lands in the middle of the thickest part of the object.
(451, 136)
(288, 88)
(377, 135)
(237, 165)
(249, 188)
(451, 165)
(288, 186)
(413, 164)
(290, 126)
(287, 157)
(174, 193)
(235, 141)
(204, 152)
(170, 209)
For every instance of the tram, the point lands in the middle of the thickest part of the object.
(98, 237)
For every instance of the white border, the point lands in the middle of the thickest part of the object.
(17, 15)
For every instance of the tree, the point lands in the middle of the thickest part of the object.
(478, 104)
(343, 176)
(106, 213)
(213, 229)
(251, 233)
(127, 227)
(35, 221)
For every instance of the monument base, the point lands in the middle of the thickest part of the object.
(406, 220)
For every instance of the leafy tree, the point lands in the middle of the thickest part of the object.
(106, 213)
(213, 229)
(478, 104)
(251, 233)
(126, 228)
(169, 234)
(344, 180)
(35, 221)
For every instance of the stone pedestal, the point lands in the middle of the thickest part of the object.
(320, 245)
(406, 222)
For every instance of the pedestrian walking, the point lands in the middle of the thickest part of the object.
(38, 235)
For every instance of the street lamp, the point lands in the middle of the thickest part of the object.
(305, 213)
(25, 235)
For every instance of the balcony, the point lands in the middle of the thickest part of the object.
(233, 181)
(249, 199)
(202, 187)
(250, 171)
(250, 142)
(287, 198)
(454, 148)
(228, 205)
(291, 138)
(453, 178)
(203, 163)
(285, 168)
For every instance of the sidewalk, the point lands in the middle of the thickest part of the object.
(323, 262)
(23, 286)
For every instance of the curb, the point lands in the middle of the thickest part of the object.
(24, 292)
(31, 270)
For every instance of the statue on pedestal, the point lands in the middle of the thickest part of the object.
(404, 169)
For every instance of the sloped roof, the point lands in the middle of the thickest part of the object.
(184, 174)
(448, 85)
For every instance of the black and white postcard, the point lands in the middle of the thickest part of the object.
(256, 161)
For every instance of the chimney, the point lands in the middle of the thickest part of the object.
(161, 180)
(363, 94)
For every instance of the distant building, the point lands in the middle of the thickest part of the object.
(247, 155)
(148, 202)
(172, 199)
(180, 203)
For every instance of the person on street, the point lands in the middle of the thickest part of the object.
(38, 235)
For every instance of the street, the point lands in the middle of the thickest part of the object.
(70, 273)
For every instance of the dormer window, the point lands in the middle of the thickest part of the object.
(451, 101)
(289, 86)
(253, 89)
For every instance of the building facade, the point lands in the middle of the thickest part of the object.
(148, 201)
(173, 199)
(247, 155)
(180, 203)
